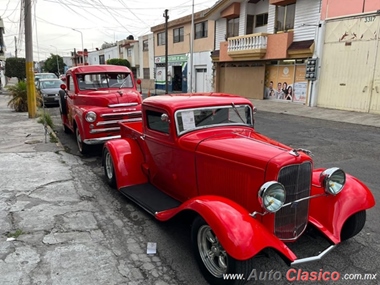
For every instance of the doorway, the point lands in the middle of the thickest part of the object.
(177, 78)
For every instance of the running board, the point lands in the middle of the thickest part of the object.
(149, 198)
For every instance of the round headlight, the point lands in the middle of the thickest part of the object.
(333, 180)
(91, 117)
(272, 196)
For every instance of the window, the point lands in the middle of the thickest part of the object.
(250, 21)
(129, 52)
(201, 30)
(146, 73)
(156, 121)
(70, 83)
(161, 39)
(101, 59)
(232, 27)
(285, 17)
(145, 45)
(178, 35)
(261, 20)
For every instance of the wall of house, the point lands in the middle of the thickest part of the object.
(202, 60)
(146, 60)
(335, 8)
(111, 52)
(257, 9)
(93, 57)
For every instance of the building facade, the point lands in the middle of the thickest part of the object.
(350, 63)
(189, 63)
(146, 62)
(261, 47)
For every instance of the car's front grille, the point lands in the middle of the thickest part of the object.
(110, 121)
(291, 221)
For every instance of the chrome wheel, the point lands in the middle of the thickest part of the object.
(212, 253)
(108, 166)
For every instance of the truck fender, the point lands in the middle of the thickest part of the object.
(328, 213)
(127, 160)
(241, 235)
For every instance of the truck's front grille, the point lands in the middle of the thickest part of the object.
(292, 220)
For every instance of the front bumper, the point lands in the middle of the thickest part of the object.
(313, 258)
(100, 140)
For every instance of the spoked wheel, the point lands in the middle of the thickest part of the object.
(109, 170)
(212, 258)
(82, 147)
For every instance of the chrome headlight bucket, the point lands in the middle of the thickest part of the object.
(272, 196)
(333, 180)
(90, 117)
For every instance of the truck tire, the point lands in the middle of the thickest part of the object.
(109, 170)
(82, 147)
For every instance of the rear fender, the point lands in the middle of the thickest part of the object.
(127, 160)
(240, 234)
(328, 213)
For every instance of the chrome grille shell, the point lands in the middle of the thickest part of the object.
(291, 221)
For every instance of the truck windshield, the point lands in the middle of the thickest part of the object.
(190, 119)
(95, 81)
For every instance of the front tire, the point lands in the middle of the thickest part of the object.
(213, 261)
(353, 225)
(82, 147)
(109, 170)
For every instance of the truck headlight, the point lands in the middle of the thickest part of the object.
(90, 117)
(272, 196)
(333, 180)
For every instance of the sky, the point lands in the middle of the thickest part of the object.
(98, 21)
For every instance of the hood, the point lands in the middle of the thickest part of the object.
(104, 98)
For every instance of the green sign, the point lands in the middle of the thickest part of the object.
(171, 58)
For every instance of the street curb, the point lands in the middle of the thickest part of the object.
(52, 132)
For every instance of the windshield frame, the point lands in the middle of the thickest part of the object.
(104, 80)
(231, 108)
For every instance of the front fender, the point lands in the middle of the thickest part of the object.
(240, 234)
(328, 213)
(127, 160)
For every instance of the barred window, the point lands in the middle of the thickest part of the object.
(145, 45)
(146, 73)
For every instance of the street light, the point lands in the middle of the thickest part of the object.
(81, 36)
(57, 59)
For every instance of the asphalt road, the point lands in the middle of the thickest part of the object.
(354, 148)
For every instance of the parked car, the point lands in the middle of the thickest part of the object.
(200, 155)
(49, 90)
(38, 76)
(94, 99)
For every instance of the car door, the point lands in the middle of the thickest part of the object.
(70, 99)
(171, 168)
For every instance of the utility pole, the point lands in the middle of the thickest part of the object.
(30, 87)
(15, 47)
(166, 16)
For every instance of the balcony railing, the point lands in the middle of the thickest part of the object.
(253, 45)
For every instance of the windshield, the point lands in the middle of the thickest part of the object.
(95, 81)
(47, 84)
(190, 119)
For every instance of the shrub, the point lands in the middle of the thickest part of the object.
(19, 98)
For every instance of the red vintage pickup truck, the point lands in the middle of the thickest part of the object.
(200, 155)
(94, 99)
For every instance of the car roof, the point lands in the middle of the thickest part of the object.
(99, 68)
(194, 100)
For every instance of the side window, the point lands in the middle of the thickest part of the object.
(157, 121)
(70, 83)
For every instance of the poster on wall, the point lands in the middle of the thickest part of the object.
(280, 80)
(300, 85)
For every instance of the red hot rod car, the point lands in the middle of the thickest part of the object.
(94, 99)
(200, 154)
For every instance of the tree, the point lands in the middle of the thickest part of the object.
(15, 67)
(51, 64)
(119, 61)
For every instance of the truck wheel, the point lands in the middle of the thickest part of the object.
(109, 170)
(213, 261)
(62, 102)
(66, 129)
(353, 225)
(82, 147)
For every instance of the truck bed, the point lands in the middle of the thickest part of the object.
(131, 129)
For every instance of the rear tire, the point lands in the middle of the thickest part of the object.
(109, 170)
(353, 225)
(213, 261)
(62, 102)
